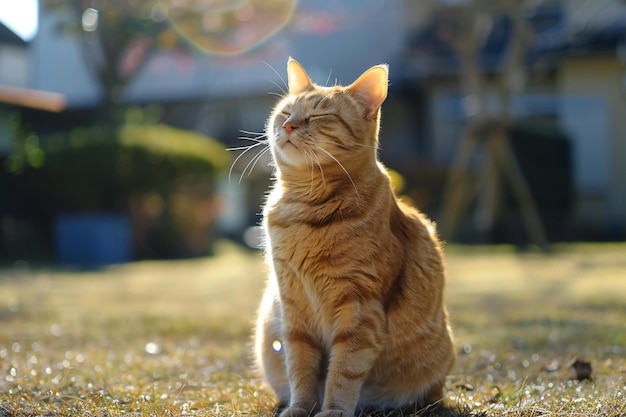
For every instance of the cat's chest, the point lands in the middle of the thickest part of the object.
(307, 291)
(303, 255)
(300, 248)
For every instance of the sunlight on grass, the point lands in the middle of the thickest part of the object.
(173, 338)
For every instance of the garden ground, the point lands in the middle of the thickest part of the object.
(170, 338)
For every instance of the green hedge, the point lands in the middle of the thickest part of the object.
(129, 169)
(98, 168)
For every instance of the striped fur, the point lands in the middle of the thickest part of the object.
(353, 316)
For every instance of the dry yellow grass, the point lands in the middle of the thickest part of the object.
(171, 338)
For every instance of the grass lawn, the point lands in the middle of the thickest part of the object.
(172, 338)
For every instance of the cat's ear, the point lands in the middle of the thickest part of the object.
(297, 77)
(371, 89)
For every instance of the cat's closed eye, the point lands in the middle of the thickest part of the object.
(320, 116)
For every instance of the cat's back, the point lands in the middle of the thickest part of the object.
(423, 254)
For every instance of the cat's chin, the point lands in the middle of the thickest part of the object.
(288, 154)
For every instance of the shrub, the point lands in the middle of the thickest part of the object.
(99, 168)
(161, 176)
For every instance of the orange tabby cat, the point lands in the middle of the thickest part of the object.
(353, 316)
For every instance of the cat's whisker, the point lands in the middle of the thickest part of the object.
(319, 164)
(246, 150)
(350, 147)
(256, 143)
(258, 136)
(247, 147)
(284, 93)
(310, 163)
(258, 158)
(286, 88)
(250, 132)
(344, 170)
(330, 73)
(252, 163)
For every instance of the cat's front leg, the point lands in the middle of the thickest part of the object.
(356, 344)
(303, 356)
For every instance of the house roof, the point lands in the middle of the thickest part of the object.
(7, 36)
(553, 38)
(35, 99)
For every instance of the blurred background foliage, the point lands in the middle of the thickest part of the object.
(502, 121)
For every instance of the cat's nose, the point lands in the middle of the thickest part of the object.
(293, 122)
(290, 125)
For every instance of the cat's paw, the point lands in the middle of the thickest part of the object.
(333, 413)
(295, 412)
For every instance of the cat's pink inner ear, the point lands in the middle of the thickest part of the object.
(297, 77)
(371, 89)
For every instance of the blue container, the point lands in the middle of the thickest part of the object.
(92, 240)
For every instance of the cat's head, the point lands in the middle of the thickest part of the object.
(327, 127)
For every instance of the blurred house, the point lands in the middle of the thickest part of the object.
(592, 81)
(578, 88)
(15, 84)
(17, 93)
(576, 63)
(13, 56)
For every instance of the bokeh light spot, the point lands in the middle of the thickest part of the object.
(228, 26)
(277, 346)
(89, 20)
